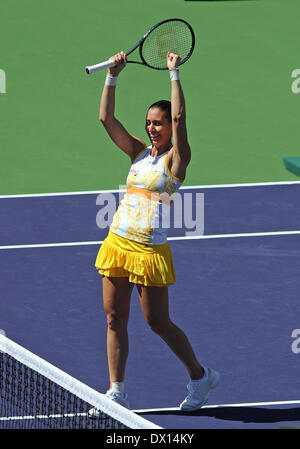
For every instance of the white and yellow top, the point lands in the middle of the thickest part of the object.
(150, 185)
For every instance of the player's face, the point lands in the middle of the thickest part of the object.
(158, 128)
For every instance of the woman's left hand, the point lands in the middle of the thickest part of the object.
(173, 60)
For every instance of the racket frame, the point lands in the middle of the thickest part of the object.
(110, 63)
(141, 43)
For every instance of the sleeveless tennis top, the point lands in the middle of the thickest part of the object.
(139, 216)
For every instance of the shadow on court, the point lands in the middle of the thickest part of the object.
(243, 414)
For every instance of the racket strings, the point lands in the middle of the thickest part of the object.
(174, 36)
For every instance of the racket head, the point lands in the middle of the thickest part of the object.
(174, 35)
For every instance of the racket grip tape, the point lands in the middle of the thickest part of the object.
(101, 66)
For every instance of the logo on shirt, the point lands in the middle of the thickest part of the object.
(133, 171)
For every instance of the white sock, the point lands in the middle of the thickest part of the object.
(117, 387)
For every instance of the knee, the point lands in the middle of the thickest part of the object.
(158, 325)
(115, 321)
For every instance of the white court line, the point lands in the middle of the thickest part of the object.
(154, 410)
(192, 237)
(20, 417)
(93, 192)
(243, 404)
(49, 245)
(246, 234)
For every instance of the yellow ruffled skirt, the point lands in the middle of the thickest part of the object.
(149, 265)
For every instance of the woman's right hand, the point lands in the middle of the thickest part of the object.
(120, 59)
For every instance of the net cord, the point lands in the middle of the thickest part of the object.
(79, 389)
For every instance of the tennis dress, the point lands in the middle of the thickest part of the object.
(136, 246)
(140, 218)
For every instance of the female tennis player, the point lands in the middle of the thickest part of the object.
(135, 251)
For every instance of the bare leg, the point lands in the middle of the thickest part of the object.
(116, 301)
(155, 305)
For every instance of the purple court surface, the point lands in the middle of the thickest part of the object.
(236, 297)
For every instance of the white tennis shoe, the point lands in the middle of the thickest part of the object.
(119, 398)
(198, 390)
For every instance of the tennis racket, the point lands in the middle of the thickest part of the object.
(174, 35)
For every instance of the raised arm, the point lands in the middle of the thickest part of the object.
(128, 143)
(180, 155)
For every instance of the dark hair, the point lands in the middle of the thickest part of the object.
(164, 105)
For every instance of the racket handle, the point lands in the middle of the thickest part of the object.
(101, 66)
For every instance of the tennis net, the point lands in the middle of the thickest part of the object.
(36, 395)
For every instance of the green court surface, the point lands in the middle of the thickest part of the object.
(243, 117)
